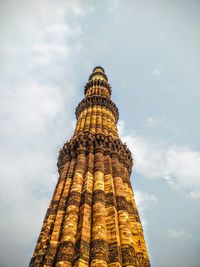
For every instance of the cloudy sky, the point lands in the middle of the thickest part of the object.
(150, 52)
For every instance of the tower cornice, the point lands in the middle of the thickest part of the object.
(89, 143)
(98, 83)
(100, 101)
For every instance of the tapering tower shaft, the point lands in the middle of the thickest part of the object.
(92, 219)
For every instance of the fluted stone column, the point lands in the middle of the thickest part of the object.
(92, 219)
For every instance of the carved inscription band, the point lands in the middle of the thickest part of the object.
(89, 143)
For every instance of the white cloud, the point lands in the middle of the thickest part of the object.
(44, 47)
(75, 7)
(184, 164)
(114, 7)
(179, 166)
(180, 233)
(161, 124)
(195, 194)
(58, 29)
(162, 35)
(156, 72)
(152, 121)
(30, 108)
(143, 201)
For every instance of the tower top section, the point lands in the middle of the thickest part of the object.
(98, 83)
(98, 74)
(99, 68)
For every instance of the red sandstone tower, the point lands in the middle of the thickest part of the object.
(92, 219)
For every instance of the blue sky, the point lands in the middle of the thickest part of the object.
(150, 52)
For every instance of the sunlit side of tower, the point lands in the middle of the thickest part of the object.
(92, 219)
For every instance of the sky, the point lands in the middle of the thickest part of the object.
(150, 52)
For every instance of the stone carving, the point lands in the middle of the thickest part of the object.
(82, 250)
(99, 250)
(110, 199)
(66, 251)
(121, 203)
(128, 256)
(74, 199)
(114, 253)
(99, 196)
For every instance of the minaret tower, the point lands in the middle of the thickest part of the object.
(92, 219)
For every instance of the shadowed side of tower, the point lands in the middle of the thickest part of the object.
(92, 219)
